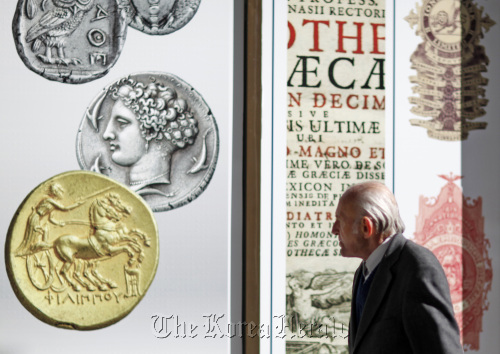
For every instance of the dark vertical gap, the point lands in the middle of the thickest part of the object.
(237, 207)
(394, 102)
(251, 173)
(463, 135)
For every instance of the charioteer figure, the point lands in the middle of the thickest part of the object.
(36, 234)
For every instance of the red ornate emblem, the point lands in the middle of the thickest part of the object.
(451, 226)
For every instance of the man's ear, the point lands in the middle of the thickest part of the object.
(367, 227)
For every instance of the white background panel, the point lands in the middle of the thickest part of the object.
(418, 159)
(40, 123)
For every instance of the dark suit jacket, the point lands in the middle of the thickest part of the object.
(408, 308)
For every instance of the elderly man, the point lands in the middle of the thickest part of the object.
(400, 299)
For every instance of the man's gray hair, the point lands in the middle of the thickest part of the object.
(376, 201)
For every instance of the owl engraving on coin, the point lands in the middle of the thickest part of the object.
(82, 250)
(71, 41)
(153, 132)
(158, 17)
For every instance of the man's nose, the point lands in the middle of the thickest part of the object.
(335, 228)
(109, 132)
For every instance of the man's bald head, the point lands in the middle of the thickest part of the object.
(376, 201)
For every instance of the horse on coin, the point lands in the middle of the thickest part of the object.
(108, 238)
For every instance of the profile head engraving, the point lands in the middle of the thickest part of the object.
(153, 132)
(148, 122)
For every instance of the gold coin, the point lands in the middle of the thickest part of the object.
(81, 251)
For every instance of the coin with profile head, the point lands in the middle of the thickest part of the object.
(153, 132)
(159, 17)
(81, 251)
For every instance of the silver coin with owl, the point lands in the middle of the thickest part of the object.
(70, 41)
(153, 132)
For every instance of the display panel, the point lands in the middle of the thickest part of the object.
(439, 78)
(194, 279)
(444, 137)
(335, 138)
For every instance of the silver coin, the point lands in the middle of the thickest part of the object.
(71, 41)
(161, 16)
(153, 132)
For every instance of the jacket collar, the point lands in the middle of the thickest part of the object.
(381, 284)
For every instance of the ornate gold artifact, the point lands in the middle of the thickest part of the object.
(81, 251)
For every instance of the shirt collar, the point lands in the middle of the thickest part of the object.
(375, 257)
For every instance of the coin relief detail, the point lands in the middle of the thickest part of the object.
(71, 41)
(159, 17)
(82, 251)
(153, 132)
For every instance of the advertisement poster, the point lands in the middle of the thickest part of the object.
(336, 82)
(445, 137)
(75, 77)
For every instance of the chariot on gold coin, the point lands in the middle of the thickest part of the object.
(81, 251)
